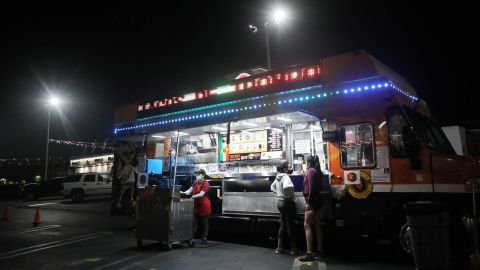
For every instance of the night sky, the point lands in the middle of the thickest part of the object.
(101, 56)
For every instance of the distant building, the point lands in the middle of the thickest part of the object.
(95, 164)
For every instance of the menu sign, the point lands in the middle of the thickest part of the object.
(274, 141)
(255, 145)
(248, 142)
(249, 156)
(302, 147)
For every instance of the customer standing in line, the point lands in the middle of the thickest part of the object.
(283, 188)
(313, 204)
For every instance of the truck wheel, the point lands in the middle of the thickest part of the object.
(399, 235)
(405, 239)
(77, 195)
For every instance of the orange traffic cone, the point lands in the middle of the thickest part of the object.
(5, 214)
(36, 220)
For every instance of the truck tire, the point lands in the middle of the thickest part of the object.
(77, 195)
(397, 234)
(405, 239)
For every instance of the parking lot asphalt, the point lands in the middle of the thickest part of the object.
(85, 236)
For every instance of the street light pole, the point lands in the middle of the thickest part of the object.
(268, 46)
(48, 138)
(277, 17)
(53, 102)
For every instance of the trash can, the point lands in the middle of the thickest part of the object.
(429, 226)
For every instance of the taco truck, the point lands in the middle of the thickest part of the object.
(374, 137)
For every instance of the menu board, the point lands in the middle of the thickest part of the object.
(248, 142)
(274, 141)
(254, 145)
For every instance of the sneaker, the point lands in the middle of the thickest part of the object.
(203, 241)
(280, 251)
(306, 258)
(318, 255)
(295, 252)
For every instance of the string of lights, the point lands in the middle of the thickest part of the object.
(303, 95)
(31, 161)
(82, 144)
(16, 161)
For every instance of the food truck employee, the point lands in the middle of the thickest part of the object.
(202, 208)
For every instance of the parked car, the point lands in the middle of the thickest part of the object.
(51, 187)
(9, 191)
(77, 186)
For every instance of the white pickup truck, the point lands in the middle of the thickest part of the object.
(78, 186)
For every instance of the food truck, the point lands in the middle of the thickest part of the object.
(377, 145)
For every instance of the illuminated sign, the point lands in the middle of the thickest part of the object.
(246, 83)
(242, 75)
(91, 161)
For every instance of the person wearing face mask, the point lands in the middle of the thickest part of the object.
(290, 169)
(202, 207)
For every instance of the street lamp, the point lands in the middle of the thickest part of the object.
(52, 102)
(278, 16)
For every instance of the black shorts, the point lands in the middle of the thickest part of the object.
(315, 204)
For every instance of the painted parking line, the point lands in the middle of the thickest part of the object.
(116, 262)
(63, 242)
(316, 265)
(47, 227)
(40, 204)
(143, 261)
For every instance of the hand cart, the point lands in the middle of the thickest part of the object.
(164, 217)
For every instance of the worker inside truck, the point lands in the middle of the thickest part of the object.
(248, 149)
(254, 145)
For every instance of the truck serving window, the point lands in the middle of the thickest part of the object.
(357, 146)
(429, 133)
(396, 122)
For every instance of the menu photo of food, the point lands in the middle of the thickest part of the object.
(235, 157)
(268, 168)
(222, 167)
(233, 167)
(249, 168)
(212, 168)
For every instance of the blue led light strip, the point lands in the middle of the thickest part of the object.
(262, 105)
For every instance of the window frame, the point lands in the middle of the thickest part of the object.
(427, 130)
(90, 174)
(389, 112)
(374, 164)
(77, 176)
